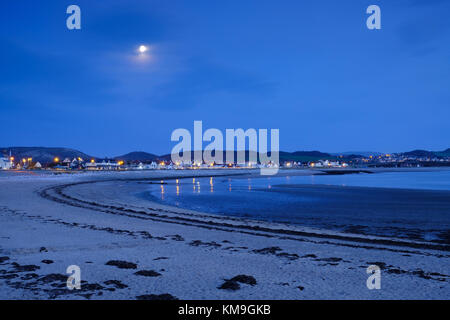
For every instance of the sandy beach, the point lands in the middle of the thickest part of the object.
(128, 247)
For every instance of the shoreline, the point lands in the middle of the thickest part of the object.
(227, 171)
(192, 262)
(208, 220)
(354, 230)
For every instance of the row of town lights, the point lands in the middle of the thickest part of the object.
(120, 163)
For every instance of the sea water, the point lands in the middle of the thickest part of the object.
(414, 205)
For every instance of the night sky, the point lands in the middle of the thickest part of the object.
(310, 68)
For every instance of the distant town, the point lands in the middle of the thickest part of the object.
(63, 159)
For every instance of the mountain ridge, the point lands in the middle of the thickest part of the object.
(47, 154)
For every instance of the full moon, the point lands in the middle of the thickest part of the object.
(142, 49)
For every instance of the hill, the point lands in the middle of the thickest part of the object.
(358, 153)
(444, 153)
(46, 155)
(137, 156)
(419, 153)
(43, 154)
(303, 156)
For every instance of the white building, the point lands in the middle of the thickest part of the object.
(102, 165)
(327, 163)
(140, 166)
(153, 165)
(5, 163)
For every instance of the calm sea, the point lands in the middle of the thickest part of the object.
(414, 205)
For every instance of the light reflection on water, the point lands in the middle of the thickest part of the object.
(181, 185)
(417, 180)
(281, 199)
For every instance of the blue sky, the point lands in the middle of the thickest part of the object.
(310, 68)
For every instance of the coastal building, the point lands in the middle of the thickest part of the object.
(328, 163)
(150, 166)
(161, 165)
(316, 164)
(66, 162)
(77, 163)
(5, 163)
(102, 165)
